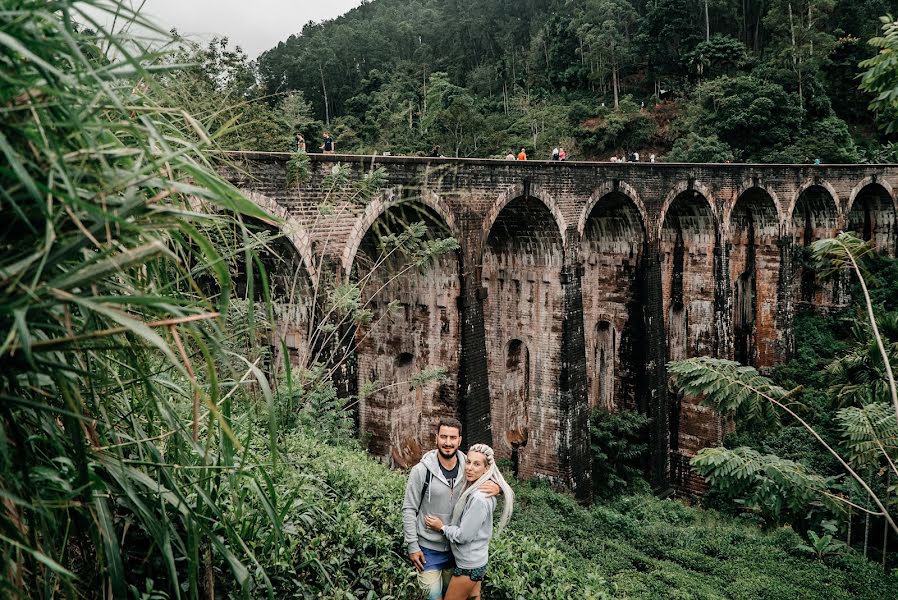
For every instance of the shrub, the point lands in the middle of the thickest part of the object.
(618, 447)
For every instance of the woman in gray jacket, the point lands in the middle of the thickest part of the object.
(471, 524)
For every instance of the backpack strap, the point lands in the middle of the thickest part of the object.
(426, 485)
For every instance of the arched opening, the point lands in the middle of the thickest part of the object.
(522, 264)
(872, 217)
(517, 399)
(281, 271)
(407, 326)
(688, 244)
(813, 218)
(603, 373)
(613, 242)
(754, 265)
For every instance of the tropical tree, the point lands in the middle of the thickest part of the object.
(606, 29)
(800, 41)
(452, 114)
(867, 451)
(749, 115)
(881, 75)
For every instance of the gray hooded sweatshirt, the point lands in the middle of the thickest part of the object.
(470, 537)
(438, 500)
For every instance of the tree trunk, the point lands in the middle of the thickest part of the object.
(505, 96)
(707, 23)
(796, 61)
(615, 83)
(885, 527)
(327, 114)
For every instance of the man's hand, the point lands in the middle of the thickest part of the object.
(490, 488)
(418, 560)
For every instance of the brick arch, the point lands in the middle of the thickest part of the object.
(678, 189)
(610, 187)
(864, 183)
(377, 207)
(808, 184)
(748, 185)
(295, 233)
(519, 191)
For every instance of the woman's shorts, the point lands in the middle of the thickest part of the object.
(475, 574)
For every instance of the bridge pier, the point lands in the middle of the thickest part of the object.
(656, 401)
(574, 445)
(473, 386)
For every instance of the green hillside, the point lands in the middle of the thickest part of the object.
(482, 77)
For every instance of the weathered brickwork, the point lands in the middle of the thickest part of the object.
(414, 327)
(575, 283)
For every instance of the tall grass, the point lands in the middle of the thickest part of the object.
(123, 470)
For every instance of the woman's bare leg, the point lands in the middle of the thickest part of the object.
(460, 588)
(475, 593)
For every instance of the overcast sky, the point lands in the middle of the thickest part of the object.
(254, 25)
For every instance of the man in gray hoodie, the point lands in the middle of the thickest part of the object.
(434, 485)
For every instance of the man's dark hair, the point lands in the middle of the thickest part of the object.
(449, 422)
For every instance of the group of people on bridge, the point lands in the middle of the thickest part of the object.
(327, 146)
(558, 153)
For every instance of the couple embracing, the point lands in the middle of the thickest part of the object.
(447, 515)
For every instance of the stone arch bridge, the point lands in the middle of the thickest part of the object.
(573, 286)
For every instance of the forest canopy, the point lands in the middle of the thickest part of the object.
(598, 77)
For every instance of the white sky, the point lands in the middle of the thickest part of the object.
(254, 25)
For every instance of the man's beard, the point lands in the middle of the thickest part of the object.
(447, 456)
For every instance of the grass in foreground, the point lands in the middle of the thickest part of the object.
(633, 547)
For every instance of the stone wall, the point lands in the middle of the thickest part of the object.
(574, 284)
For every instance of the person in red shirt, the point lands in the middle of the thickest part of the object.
(522, 155)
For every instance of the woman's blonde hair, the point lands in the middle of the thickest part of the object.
(493, 473)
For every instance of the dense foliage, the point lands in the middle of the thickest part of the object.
(122, 470)
(774, 81)
(618, 441)
(820, 456)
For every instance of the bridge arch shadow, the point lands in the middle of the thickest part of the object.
(871, 214)
(753, 228)
(522, 191)
(613, 241)
(813, 215)
(521, 268)
(285, 252)
(412, 324)
(688, 239)
(386, 200)
(291, 228)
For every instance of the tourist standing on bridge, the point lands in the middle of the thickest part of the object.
(433, 488)
(522, 155)
(300, 142)
(562, 155)
(328, 146)
(510, 156)
(471, 526)
(554, 153)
